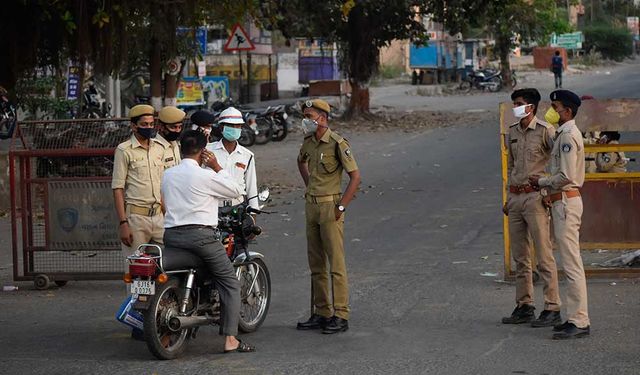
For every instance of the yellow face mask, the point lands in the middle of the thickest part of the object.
(552, 117)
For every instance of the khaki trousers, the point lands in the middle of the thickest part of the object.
(529, 220)
(567, 216)
(325, 249)
(144, 229)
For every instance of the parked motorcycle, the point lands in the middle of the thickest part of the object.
(489, 79)
(279, 126)
(93, 105)
(176, 295)
(8, 116)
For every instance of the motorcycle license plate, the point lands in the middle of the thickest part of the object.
(143, 287)
(284, 116)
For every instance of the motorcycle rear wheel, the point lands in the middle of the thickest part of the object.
(465, 86)
(264, 131)
(254, 301)
(496, 84)
(162, 342)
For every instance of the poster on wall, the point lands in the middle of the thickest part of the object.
(190, 92)
(217, 87)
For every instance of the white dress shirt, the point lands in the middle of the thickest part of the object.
(241, 165)
(191, 194)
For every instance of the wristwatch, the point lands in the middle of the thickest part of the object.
(340, 208)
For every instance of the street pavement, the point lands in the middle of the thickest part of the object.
(425, 226)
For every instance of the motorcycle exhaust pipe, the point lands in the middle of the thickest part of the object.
(178, 323)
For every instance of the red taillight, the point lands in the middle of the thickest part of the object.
(142, 267)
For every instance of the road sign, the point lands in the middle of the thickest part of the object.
(239, 40)
(567, 41)
(73, 83)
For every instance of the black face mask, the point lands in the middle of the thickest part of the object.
(147, 133)
(171, 136)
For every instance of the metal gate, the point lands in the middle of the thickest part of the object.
(64, 224)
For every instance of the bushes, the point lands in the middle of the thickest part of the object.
(614, 43)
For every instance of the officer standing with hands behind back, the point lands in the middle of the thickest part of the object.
(323, 156)
(562, 186)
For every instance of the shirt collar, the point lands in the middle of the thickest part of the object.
(189, 161)
(532, 124)
(162, 140)
(566, 126)
(325, 137)
(218, 145)
(134, 142)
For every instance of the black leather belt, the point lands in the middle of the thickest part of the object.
(194, 226)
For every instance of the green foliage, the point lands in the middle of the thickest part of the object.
(34, 96)
(390, 71)
(612, 42)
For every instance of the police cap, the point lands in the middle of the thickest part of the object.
(171, 115)
(203, 118)
(566, 97)
(140, 110)
(318, 104)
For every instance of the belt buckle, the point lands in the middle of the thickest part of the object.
(151, 212)
(226, 203)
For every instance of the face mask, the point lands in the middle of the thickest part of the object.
(231, 134)
(521, 111)
(309, 125)
(552, 117)
(171, 136)
(147, 133)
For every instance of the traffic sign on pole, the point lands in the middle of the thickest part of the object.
(238, 40)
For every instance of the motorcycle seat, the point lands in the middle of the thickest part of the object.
(179, 259)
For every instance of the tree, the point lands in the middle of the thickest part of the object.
(360, 28)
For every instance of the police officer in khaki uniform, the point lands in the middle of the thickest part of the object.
(169, 130)
(562, 186)
(323, 156)
(137, 173)
(530, 142)
(610, 162)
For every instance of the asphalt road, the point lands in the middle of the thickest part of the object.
(416, 239)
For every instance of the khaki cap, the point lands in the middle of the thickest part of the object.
(141, 110)
(171, 115)
(318, 104)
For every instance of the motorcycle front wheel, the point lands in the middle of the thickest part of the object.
(264, 131)
(255, 294)
(161, 341)
(279, 129)
(495, 84)
(247, 136)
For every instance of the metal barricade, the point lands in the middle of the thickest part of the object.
(611, 219)
(64, 223)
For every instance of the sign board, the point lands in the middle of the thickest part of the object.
(202, 69)
(633, 25)
(190, 92)
(217, 86)
(79, 216)
(73, 83)
(568, 41)
(199, 36)
(239, 40)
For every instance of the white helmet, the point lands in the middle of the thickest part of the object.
(230, 116)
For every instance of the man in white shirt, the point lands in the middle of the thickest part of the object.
(236, 159)
(190, 194)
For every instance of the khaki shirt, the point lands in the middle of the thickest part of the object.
(529, 150)
(139, 171)
(611, 162)
(171, 152)
(326, 158)
(567, 160)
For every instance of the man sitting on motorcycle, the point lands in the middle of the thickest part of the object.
(191, 194)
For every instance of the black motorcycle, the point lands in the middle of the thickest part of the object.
(176, 295)
(489, 79)
(8, 117)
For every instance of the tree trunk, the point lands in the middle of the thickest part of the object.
(170, 89)
(359, 103)
(155, 70)
(503, 45)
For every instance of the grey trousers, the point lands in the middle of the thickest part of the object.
(203, 243)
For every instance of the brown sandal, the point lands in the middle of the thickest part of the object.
(243, 347)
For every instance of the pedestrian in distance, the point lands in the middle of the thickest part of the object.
(323, 157)
(557, 67)
(529, 143)
(562, 186)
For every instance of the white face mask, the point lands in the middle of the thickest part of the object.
(309, 125)
(521, 111)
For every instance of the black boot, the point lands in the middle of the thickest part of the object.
(521, 314)
(315, 322)
(570, 331)
(336, 325)
(547, 318)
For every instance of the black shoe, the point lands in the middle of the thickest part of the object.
(547, 318)
(336, 325)
(521, 314)
(560, 327)
(571, 332)
(137, 334)
(315, 322)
